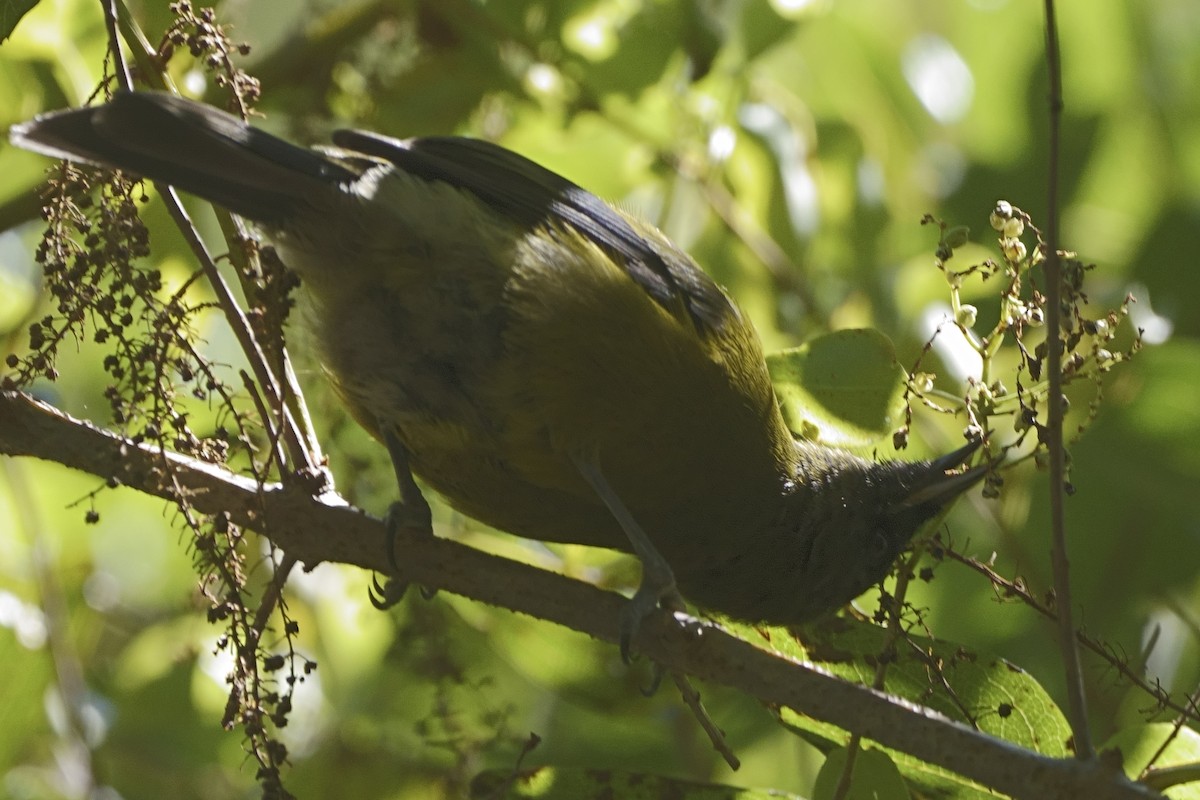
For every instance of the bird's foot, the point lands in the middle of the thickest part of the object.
(648, 598)
(410, 512)
(400, 516)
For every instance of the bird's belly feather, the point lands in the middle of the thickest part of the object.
(497, 372)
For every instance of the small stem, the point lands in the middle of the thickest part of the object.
(1076, 701)
(237, 321)
(846, 778)
(691, 699)
(120, 68)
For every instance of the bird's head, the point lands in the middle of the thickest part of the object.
(847, 520)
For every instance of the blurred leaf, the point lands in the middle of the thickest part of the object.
(1171, 289)
(28, 676)
(845, 389)
(761, 28)
(643, 53)
(559, 783)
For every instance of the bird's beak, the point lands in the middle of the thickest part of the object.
(941, 483)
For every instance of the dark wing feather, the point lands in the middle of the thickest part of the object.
(195, 147)
(531, 194)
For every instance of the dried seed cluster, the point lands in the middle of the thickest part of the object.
(1092, 343)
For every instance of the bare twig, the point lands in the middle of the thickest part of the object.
(895, 631)
(1176, 728)
(1166, 777)
(124, 79)
(1017, 589)
(239, 325)
(271, 384)
(784, 271)
(691, 699)
(1076, 701)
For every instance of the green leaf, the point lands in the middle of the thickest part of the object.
(875, 775)
(967, 686)
(557, 783)
(1140, 743)
(844, 389)
(11, 12)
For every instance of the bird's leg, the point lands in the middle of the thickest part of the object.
(658, 582)
(410, 511)
(657, 586)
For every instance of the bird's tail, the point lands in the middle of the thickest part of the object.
(192, 146)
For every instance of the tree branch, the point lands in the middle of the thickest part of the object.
(314, 529)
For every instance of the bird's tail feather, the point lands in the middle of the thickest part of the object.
(189, 145)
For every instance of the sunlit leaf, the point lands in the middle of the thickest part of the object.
(844, 389)
(968, 686)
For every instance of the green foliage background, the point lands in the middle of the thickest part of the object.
(803, 122)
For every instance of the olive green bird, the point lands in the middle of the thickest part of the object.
(550, 365)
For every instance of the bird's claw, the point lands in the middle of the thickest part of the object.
(410, 512)
(645, 601)
(387, 594)
(657, 671)
(384, 596)
(631, 618)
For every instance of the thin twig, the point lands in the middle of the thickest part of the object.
(251, 388)
(255, 354)
(1167, 777)
(787, 275)
(1076, 700)
(237, 321)
(842, 789)
(272, 594)
(1184, 612)
(1176, 728)
(691, 698)
(124, 79)
(1017, 589)
(895, 632)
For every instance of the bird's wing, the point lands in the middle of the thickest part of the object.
(193, 146)
(531, 194)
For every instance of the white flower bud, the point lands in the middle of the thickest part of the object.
(1014, 249)
(1000, 215)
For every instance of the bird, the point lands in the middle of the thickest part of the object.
(551, 365)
